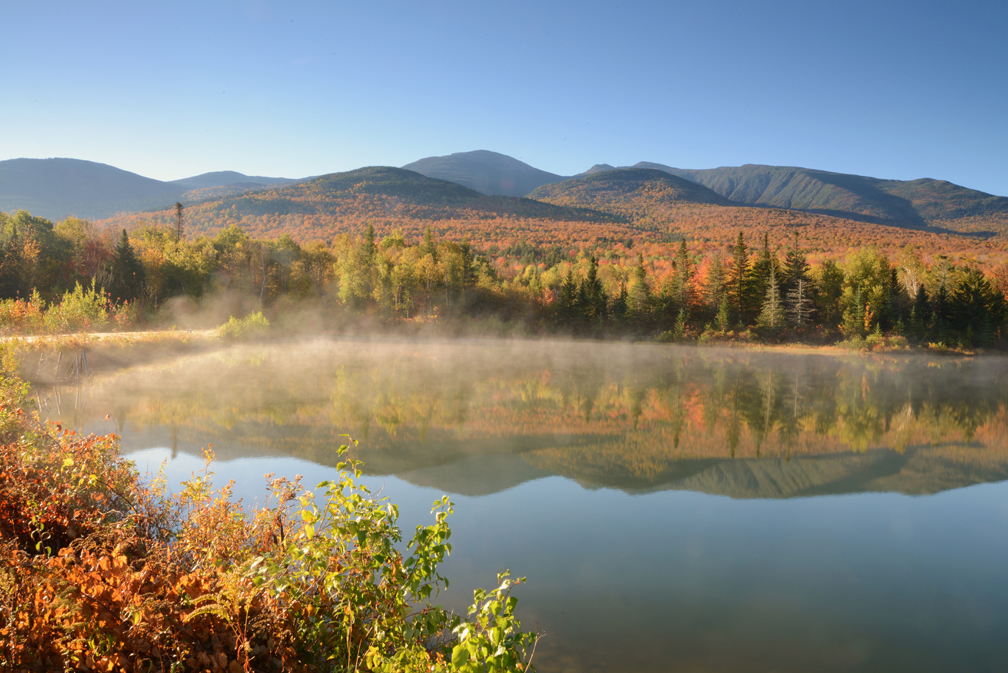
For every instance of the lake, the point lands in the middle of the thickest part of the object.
(681, 509)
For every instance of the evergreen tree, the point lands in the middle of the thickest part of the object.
(179, 227)
(854, 315)
(567, 301)
(738, 279)
(975, 309)
(127, 271)
(762, 267)
(592, 298)
(796, 268)
(369, 249)
(638, 294)
(619, 308)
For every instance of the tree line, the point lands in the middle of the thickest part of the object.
(612, 287)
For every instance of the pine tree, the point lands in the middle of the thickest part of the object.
(765, 264)
(738, 278)
(796, 267)
(568, 297)
(592, 297)
(854, 316)
(127, 271)
(179, 229)
(638, 294)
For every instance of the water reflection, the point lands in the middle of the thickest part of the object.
(476, 417)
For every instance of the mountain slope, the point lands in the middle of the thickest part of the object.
(915, 203)
(484, 171)
(56, 188)
(635, 193)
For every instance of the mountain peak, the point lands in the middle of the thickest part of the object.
(485, 171)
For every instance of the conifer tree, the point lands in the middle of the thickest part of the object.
(795, 267)
(738, 279)
(127, 271)
(179, 229)
(765, 263)
(568, 297)
(638, 294)
(592, 296)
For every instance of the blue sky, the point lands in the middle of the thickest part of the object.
(889, 89)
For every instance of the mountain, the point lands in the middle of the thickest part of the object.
(392, 192)
(56, 188)
(391, 199)
(222, 178)
(599, 168)
(629, 192)
(484, 171)
(915, 203)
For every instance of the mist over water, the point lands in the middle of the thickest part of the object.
(673, 508)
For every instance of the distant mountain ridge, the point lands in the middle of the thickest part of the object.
(57, 188)
(914, 203)
(221, 178)
(486, 172)
(318, 207)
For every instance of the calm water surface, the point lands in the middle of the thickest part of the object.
(673, 509)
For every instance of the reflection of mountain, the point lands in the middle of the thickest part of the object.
(917, 470)
(477, 417)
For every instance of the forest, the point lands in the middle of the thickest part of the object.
(78, 274)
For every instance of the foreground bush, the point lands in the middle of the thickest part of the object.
(101, 571)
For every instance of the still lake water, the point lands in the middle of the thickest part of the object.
(674, 509)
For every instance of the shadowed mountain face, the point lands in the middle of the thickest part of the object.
(486, 172)
(915, 203)
(56, 188)
(476, 417)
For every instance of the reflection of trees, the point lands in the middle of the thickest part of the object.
(640, 416)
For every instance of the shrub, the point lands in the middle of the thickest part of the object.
(21, 316)
(78, 310)
(237, 328)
